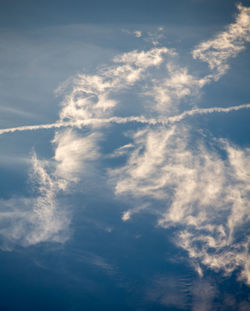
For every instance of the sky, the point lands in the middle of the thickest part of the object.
(125, 155)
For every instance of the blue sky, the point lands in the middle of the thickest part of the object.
(125, 155)
(29, 13)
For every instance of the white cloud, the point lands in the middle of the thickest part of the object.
(169, 92)
(138, 33)
(206, 195)
(28, 221)
(49, 220)
(123, 150)
(154, 37)
(144, 59)
(44, 217)
(91, 96)
(72, 153)
(225, 45)
(127, 214)
(122, 120)
(180, 86)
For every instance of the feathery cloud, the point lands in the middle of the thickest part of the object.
(225, 45)
(204, 196)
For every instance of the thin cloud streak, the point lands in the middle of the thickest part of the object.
(123, 120)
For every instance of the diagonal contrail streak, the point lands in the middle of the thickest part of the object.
(123, 120)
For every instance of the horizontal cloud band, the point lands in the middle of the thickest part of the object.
(122, 120)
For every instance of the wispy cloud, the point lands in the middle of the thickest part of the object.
(206, 195)
(50, 222)
(28, 221)
(225, 45)
(203, 294)
(168, 291)
(201, 193)
(92, 96)
(45, 217)
(176, 291)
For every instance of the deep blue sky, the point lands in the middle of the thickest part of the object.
(25, 14)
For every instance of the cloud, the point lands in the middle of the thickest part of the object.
(180, 85)
(127, 214)
(203, 195)
(169, 92)
(168, 291)
(177, 291)
(45, 217)
(50, 221)
(17, 112)
(225, 45)
(138, 33)
(201, 188)
(28, 221)
(203, 294)
(13, 219)
(91, 95)
(86, 105)
(122, 120)
(72, 153)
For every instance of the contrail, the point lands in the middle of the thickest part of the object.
(205, 111)
(123, 120)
